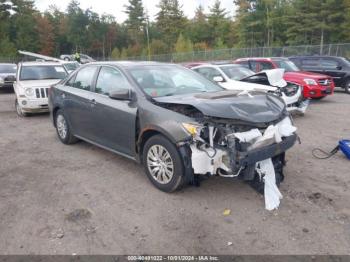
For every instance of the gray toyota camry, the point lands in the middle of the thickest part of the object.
(178, 124)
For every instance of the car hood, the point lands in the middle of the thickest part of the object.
(3, 75)
(240, 85)
(253, 107)
(38, 83)
(300, 75)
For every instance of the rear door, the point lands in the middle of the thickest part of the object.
(334, 68)
(79, 101)
(115, 120)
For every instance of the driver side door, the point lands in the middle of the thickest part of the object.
(115, 120)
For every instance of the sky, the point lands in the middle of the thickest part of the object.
(116, 7)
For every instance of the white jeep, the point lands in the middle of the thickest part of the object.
(32, 85)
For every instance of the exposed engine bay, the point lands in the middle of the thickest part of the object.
(237, 135)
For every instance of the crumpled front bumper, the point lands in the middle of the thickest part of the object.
(250, 157)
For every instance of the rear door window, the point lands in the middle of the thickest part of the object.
(310, 63)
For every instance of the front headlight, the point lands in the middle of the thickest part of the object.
(193, 129)
(29, 91)
(310, 82)
(1, 80)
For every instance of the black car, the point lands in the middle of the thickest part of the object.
(336, 67)
(175, 122)
(7, 75)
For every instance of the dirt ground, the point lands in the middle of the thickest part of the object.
(58, 199)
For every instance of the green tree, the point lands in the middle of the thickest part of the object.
(23, 30)
(219, 24)
(158, 47)
(135, 22)
(115, 53)
(183, 45)
(198, 29)
(170, 21)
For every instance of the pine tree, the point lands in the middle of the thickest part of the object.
(170, 21)
(136, 21)
(219, 24)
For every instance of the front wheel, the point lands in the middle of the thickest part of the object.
(63, 130)
(163, 164)
(19, 110)
(347, 87)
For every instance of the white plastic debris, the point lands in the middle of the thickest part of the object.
(273, 134)
(271, 192)
(248, 136)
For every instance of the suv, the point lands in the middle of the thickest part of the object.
(32, 84)
(7, 75)
(336, 67)
(314, 85)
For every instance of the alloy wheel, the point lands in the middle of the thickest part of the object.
(160, 164)
(61, 126)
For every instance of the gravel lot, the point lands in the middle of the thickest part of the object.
(58, 199)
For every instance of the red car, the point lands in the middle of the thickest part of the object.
(315, 85)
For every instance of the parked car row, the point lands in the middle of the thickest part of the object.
(180, 123)
(315, 86)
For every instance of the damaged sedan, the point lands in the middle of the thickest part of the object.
(175, 122)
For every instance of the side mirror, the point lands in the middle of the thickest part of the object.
(339, 67)
(121, 94)
(218, 79)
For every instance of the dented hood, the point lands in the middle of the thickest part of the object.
(254, 107)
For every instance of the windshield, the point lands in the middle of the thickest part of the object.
(8, 69)
(42, 72)
(167, 80)
(287, 65)
(70, 67)
(236, 72)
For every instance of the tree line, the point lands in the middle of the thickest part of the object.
(256, 23)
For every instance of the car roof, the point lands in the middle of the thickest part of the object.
(217, 65)
(39, 63)
(127, 64)
(262, 58)
(315, 56)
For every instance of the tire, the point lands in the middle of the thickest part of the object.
(160, 153)
(19, 110)
(259, 185)
(347, 87)
(63, 129)
(66, 59)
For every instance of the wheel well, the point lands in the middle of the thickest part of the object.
(54, 115)
(144, 137)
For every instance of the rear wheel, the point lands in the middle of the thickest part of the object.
(163, 164)
(63, 130)
(19, 110)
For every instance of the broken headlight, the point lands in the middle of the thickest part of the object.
(193, 129)
(290, 89)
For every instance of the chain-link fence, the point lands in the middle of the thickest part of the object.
(234, 53)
